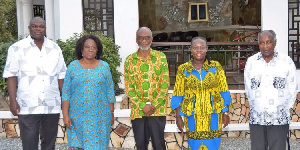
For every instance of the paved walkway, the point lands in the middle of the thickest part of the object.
(227, 144)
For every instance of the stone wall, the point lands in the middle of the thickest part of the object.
(173, 14)
(122, 134)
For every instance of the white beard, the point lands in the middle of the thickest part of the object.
(144, 49)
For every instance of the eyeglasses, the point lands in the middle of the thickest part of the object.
(199, 48)
(90, 47)
(142, 38)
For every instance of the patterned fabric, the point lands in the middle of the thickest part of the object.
(38, 72)
(147, 81)
(203, 97)
(90, 91)
(271, 89)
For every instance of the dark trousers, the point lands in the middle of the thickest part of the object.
(146, 127)
(31, 126)
(272, 136)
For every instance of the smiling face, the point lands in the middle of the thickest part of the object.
(37, 28)
(144, 39)
(198, 49)
(267, 45)
(89, 50)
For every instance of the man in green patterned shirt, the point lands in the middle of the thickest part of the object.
(147, 82)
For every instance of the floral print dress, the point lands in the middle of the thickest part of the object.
(89, 91)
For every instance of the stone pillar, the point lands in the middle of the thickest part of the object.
(125, 29)
(49, 11)
(274, 15)
(27, 14)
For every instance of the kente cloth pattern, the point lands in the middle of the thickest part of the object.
(203, 97)
(90, 92)
(147, 81)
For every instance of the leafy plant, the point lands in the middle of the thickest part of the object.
(3, 52)
(8, 20)
(110, 54)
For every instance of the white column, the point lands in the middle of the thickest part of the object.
(20, 18)
(27, 8)
(68, 18)
(274, 16)
(49, 11)
(126, 22)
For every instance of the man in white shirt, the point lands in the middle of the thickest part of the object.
(35, 69)
(270, 84)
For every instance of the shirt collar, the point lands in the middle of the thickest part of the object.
(150, 54)
(45, 44)
(260, 57)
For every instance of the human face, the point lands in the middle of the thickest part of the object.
(198, 50)
(90, 49)
(266, 45)
(144, 39)
(37, 29)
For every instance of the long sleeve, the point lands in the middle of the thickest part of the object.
(292, 84)
(164, 83)
(223, 87)
(247, 82)
(178, 93)
(129, 81)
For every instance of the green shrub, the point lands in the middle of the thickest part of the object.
(3, 52)
(110, 54)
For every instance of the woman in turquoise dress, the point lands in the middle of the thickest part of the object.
(88, 97)
(201, 96)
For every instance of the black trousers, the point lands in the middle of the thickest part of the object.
(146, 127)
(272, 136)
(33, 125)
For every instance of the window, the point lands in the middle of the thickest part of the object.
(198, 12)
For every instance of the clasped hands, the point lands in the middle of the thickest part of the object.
(148, 109)
(180, 125)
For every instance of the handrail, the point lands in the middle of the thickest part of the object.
(231, 55)
(208, 43)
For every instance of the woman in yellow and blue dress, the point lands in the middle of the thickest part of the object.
(201, 96)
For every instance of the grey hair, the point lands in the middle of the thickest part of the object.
(141, 29)
(199, 38)
(270, 31)
(37, 19)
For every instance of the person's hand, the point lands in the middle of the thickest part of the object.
(112, 119)
(14, 107)
(67, 121)
(225, 120)
(148, 109)
(179, 123)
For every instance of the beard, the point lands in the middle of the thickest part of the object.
(144, 48)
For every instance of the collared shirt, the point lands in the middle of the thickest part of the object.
(271, 89)
(38, 72)
(147, 81)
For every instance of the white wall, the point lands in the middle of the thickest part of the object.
(126, 22)
(274, 15)
(68, 18)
